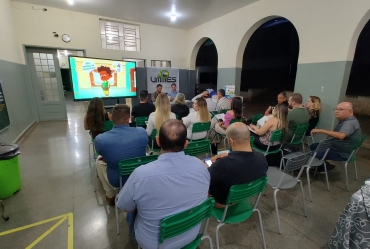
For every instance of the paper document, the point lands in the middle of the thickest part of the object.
(222, 151)
(220, 116)
(251, 130)
(263, 120)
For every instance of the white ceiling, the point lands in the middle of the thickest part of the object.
(191, 13)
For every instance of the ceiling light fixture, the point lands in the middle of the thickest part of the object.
(71, 2)
(173, 17)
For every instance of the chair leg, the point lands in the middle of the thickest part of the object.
(304, 205)
(309, 183)
(355, 170)
(346, 172)
(303, 147)
(277, 209)
(95, 176)
(209, 239)
(326, 177)
(90, 153)
(217, 240)
(115, 199)
(261, 226)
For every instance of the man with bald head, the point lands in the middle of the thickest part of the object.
(172, 184)
(346, 134)
(242, 165)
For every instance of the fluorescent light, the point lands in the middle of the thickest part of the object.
(173, 17)
(71, 2)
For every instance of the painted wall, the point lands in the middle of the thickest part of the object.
(35, 27)
(328, 32)
(15, 81)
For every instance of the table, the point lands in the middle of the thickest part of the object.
(353, 227)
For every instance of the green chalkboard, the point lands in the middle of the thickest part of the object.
(4, 117)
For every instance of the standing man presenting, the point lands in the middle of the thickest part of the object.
(163, 188)
(346, 134)
(157, 92)
(173, 93)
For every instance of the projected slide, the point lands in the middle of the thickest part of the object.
(102, 78)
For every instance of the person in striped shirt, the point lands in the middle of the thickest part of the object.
(223, 103)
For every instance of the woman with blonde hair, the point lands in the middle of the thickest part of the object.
(313, 106)
(279, 121)
(201, 115)
(180, 108)
(162, 114)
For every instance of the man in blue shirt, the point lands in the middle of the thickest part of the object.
(173, 93)
(172, 184)
(122, 142)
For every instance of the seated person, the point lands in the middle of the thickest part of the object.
(180, 108)
(242, 165)
(122, 142)
(313, 106)
(223, 103)
(162, 114)
(201, 114)
(279, 121)
(234, 113)
(163, 188)
(173, 93)
(156, 93)
(346, 135)
(297, 116)
(281, 99)
(211, 105)
(95, 117)
(144, 109)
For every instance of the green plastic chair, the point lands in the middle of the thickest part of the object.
(140, 121)
(275, 137)
(200, 127)
(298, 136)
(223, 136)
(242, 210)
(255, 118)
(352, 158)
(234, 120)
(153, 136)
(182, 222)
(251, 140)
(107, 126)
(214, 113)
(126, 167)
(198, 147)
(311, 137)
(178, 116)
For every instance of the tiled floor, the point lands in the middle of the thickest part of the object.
(58, 180)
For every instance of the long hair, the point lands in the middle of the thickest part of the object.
(317, 103)
(180, 99)
(237, 106)
(162, 110)
(281, 113)
(95, 114)
(204, 115)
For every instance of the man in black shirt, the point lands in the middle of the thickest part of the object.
(144, 108)
(242, 165)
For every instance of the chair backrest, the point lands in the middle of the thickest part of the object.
(213, 113)
(251, 140)
(276, 136)
(360, 141)
(297, 162)
(299, 133)
(177, 116)
(255, 118)
(196, 148)
(154, 134)
(140, 121)
(127, 166)
(108, 125)
(324, 145)
(318, 123)
(180, 223)
(200, 127)
(236, 120)
(244, 191)
(224, 111)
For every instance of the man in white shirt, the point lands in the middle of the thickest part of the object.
(211, 105)
(223, 103)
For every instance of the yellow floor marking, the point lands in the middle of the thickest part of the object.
(61, 218)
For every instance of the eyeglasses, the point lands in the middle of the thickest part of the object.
(339, 109)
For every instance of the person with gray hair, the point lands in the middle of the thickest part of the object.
(180, 108)
(242, 165)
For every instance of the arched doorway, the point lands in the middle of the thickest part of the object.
(270, 59)
(206, 66)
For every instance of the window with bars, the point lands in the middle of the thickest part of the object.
(119, 36)
(159, 63)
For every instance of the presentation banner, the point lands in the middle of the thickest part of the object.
(229, 91)
(4, 117)
(164, 76)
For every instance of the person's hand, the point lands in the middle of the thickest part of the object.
(313, 131)
(268, 111)
(252, 126)
(221, 123)
(205, 94)
(109, 116)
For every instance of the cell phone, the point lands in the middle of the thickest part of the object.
(208, 161)
(221, 120)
